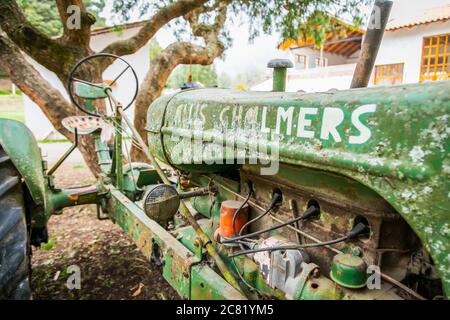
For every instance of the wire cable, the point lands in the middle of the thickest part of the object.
(130, 164)
(240, 240)
(359, 229)
(233, 222)
(241, 243)
(126, 134)
(242, 277)
(310, 212)
(276, 197)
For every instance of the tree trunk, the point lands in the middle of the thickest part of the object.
(60, 54)
(49, 99)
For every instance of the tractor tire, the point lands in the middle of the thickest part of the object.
(14, 244)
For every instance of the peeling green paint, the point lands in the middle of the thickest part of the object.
(399, 149)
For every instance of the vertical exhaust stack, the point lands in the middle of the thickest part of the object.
(279, 67)
(371, 44)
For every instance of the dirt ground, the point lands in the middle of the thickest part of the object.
(111, 266)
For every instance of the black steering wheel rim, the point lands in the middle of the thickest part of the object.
(70, 79)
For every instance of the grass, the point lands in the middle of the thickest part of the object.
(11, 107)
(78, 166)
(49, 245)
(4, 92)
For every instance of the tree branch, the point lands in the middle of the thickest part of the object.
(49, 99)
(30, 82)
(82, 35)
(48, 52)
(209, 32)
(163, 65)
(158, 20)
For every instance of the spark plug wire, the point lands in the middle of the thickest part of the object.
(310, 212)
(359, 229)
(275, 199)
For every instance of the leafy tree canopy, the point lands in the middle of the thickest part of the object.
(293, 19)
(43, 14)
(206, 75)
(202, 29)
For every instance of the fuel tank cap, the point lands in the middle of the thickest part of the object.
(349, 271)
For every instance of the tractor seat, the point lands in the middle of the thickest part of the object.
(83, 124)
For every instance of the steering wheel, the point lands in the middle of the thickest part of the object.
(81, 89)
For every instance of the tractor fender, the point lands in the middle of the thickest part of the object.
(21, 146)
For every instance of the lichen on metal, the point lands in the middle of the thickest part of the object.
(392, 140)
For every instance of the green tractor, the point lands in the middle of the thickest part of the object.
(251, 195)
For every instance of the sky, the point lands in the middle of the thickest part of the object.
(245, 56)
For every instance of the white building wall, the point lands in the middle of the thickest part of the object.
(400, 46)
(405, 46)
(313, 54)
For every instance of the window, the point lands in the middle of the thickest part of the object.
(321, 62)
(388, 74)
(435, 58)
(300, 61)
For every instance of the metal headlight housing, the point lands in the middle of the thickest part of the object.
(161, 202)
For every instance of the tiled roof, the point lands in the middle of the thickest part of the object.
(435, 14)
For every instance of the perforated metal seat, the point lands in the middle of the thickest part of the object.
(83, 124)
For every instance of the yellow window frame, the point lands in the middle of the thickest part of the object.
(432, 70)
(393, 73)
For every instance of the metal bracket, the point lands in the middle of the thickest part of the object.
(65, 155)
(100, 215)
(198, 248)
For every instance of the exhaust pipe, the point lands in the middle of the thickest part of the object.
(371, 43)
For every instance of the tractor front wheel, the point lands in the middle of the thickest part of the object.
(14, 244)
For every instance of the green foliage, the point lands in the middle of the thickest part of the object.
(8, 92)
(123, 8)
(243, 79)
(293, 19)
(155, 49)
(43, 14)
(49, 245)
(319, 24)
(240, 87)
(298, 19)
(96, 8)
(206, 75)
